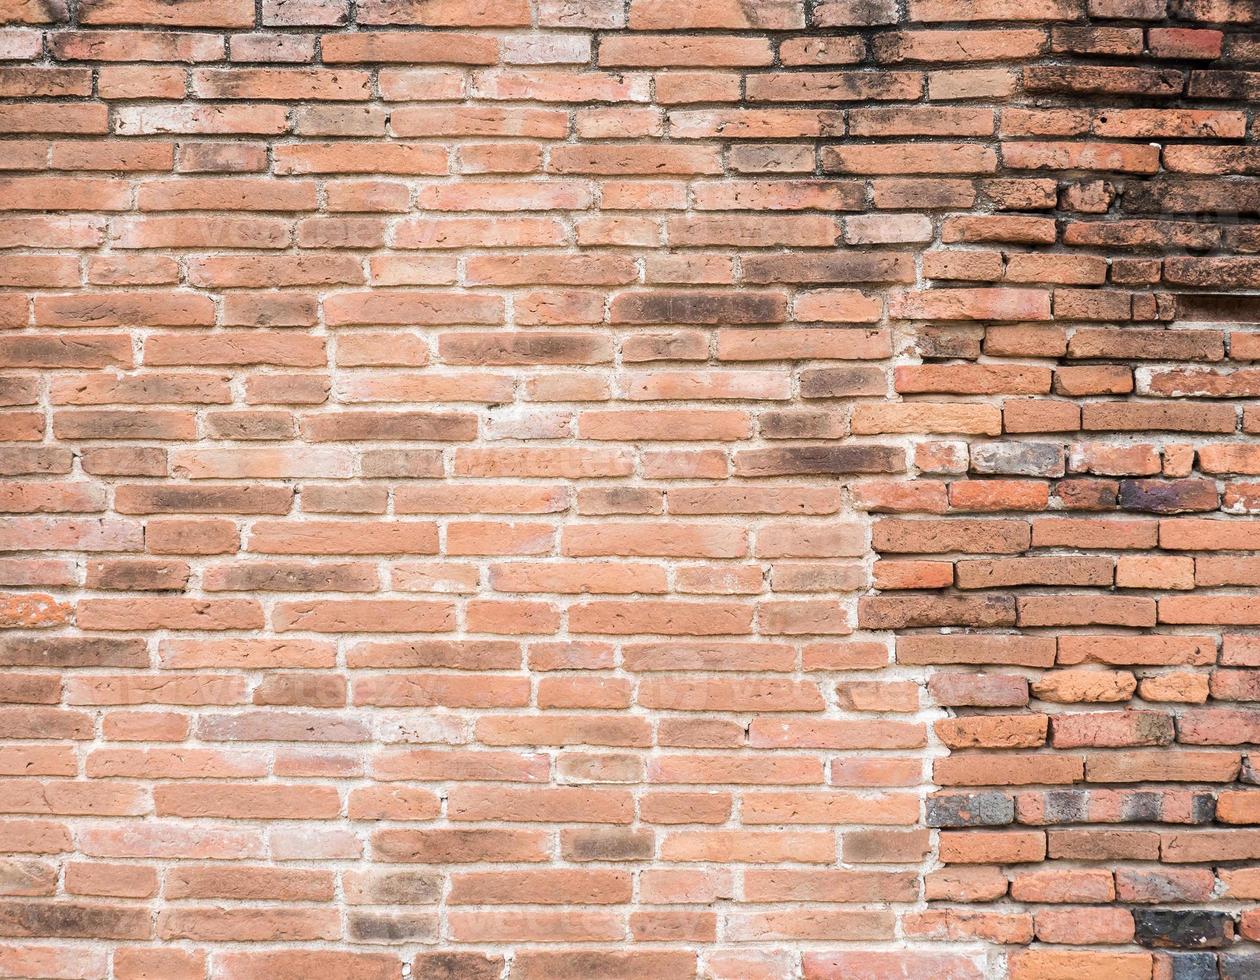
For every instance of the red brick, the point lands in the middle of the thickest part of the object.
(527, 364)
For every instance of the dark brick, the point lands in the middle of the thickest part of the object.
(1192, 966)
(806, 460)
(905, 612)
(1182, 928)
(523, 347)
(1218, 308)
(1066, 806)
(1141, 807)
(829, 268)
(670, 306)
(608, 845)
(1098, 80)
(290, 577)
(843, 382)
(72, 651)
(1169, 496)
(1208, 199)
(138, 574)
(403, 888)
(947, 343)
(457, 966)
(392, 927)
(173, 498)
(357, 426)
(970, 810)
(1203, 808)
(1224, 85)
(1240, 966)
(1220, 11)
(72, 920)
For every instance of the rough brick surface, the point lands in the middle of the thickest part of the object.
(742, 489)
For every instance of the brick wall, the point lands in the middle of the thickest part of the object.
(595, 489)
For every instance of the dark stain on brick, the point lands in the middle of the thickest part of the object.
(1142, 807)
(1203, 808)
(1087, 494)
(1066, 806)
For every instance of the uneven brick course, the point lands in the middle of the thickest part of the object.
(741, 489)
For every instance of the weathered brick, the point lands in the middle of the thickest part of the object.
(584, 340)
